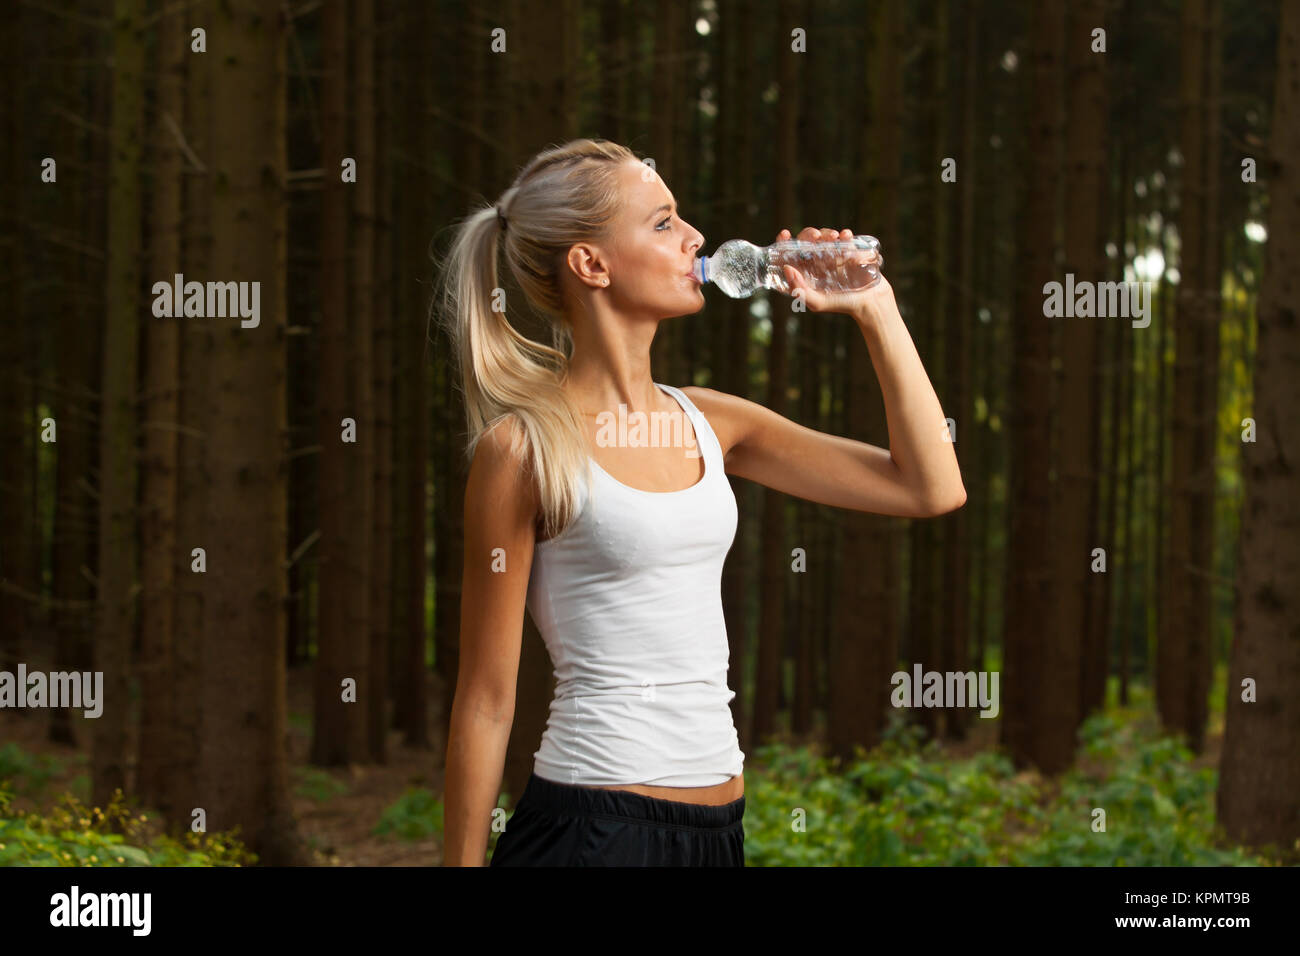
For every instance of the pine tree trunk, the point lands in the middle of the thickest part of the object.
(410, 463)
(76, 515)
(243, 772)
(192, 477)
(1030, 540)
(118, 433)
(808, 603)
(1259, 775)
(339, 731)
(614, 36)
(926, 535)
(955, 626)
(161, 421)
(1073, 660)
(362, 454)
(861, 658)
(449, 506)
(775, 562)
(1183, 651)
(381, 543)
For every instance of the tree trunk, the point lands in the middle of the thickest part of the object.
(339, 732)
(960, 321)
(1259, 776)
(362, 455)
(161, 421)
(1183, 652)
(775, 562)
(1030, 538)
(861, 659)
(808, 599)
(449, 500)
(76, 516)
(243, 772)
(195, 413)
(381, 543)
(410, 464)
(1073, 656)
(118, 453)
(926, 536)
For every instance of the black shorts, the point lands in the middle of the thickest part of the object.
(557, 824)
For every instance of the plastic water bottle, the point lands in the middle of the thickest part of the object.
(738, 267)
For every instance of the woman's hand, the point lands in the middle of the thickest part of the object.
(862, 305)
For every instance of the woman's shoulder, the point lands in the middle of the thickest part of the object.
(499, 470)
(723, 412)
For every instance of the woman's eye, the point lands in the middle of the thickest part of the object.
(661, 225)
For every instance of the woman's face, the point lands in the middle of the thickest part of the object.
(652, 251)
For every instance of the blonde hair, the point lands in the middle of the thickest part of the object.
(564, 195)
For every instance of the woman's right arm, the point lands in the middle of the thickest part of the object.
(501, 507)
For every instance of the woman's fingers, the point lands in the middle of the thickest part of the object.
(825, 234)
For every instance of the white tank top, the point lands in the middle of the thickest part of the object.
(629, 602)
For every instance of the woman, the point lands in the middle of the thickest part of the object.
(615, 543)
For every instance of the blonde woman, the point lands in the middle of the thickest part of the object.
(616, 545)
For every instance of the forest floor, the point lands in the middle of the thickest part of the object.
(337, 816)
(336, 828)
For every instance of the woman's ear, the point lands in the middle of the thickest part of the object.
(585, 263)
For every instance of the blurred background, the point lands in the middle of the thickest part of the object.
(272, 594)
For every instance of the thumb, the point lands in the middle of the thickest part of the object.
(813, 299)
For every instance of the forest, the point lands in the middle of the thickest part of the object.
(233, 445)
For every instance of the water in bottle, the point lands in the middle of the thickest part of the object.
(842, 265)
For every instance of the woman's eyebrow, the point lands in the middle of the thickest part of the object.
(660, 209)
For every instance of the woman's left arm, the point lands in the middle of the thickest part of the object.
(916, 477)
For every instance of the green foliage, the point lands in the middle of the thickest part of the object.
(903, 804)
(318, 785)
(29, 773)
(417, 815)
(72, 834)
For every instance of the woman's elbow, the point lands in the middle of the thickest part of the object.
(946, 504)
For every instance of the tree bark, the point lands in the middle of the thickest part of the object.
(195, 412)
(1183, 651)
(861, 659)
(161, 422)
(1259, 776)
(955, 627)
(1074, 657)
(339, 731)
(243, 768)
(118, 460)
(775, 563)
(1029, 598)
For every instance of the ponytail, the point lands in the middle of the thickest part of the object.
(566, 194)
